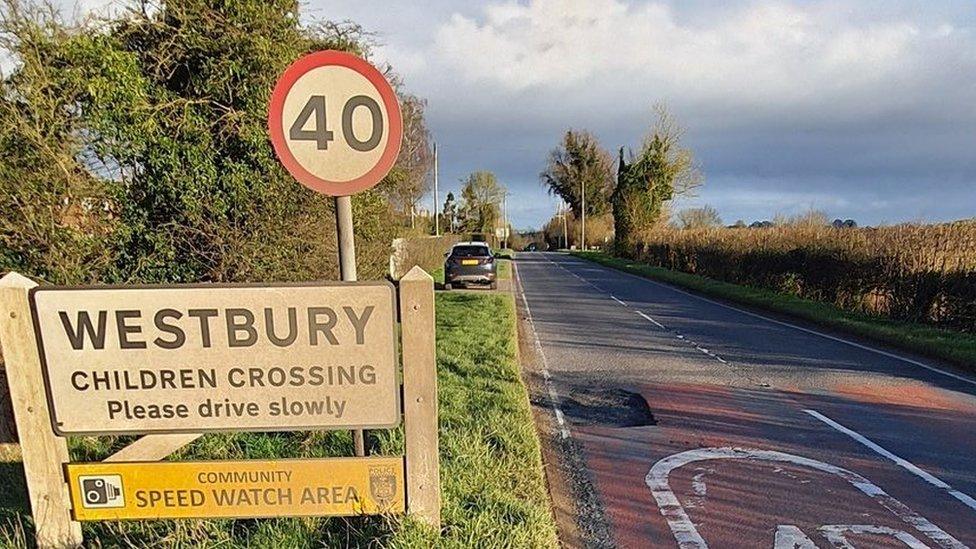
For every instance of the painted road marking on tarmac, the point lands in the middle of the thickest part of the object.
(547, 378)
(651, 320)
(686, 533)
(801, 328)
(903, 463)
(835, 534)
(643, 315)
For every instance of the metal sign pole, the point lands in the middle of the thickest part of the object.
(347, 270)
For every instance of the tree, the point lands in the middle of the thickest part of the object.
(144, 138)
(408, 181)
(662, 170)
(810, 219)
(699, 218)
(482, 196)
(449, 213)
(577, 164)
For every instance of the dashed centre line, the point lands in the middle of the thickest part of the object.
(643, 315)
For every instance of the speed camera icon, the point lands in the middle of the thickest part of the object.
(101, 491)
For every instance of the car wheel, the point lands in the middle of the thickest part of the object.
(447, 286)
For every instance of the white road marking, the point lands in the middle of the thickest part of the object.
(686, 533)
(682, 338)
(835, 535)
(801, 328)
(550, 388)
(645, 316)
(903, 463)
(789, 536)
(698, 484)
(651, 320)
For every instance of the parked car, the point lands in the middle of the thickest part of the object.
(470, 262)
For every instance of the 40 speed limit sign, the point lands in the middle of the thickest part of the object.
(335, 123)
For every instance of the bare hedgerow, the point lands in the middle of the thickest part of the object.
(919, 273)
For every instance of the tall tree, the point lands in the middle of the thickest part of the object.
(661, 170)
(579, 164)
(408, 181)
(449, 213)
(699, 218)
(482, 195)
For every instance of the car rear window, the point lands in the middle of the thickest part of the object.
(470, 251)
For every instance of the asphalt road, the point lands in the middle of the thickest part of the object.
(756, 432)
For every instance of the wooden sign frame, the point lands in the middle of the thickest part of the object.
(45, 454)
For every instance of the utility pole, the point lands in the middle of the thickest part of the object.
(505, 220)
(565, 231)
(437, 218)
(583, 215)
(561, 214)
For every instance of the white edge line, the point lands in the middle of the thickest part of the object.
(795, 327)
(617, 300)
(903, 463)
(553, 396)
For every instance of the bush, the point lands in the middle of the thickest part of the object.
(911, 272)
(137, 149)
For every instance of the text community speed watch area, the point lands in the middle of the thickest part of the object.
(205, 358)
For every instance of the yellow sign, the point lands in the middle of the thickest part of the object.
(236, 489)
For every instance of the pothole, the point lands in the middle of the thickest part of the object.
(612, 407)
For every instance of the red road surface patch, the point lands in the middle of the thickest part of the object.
(744, 502)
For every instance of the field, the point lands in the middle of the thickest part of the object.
(913, 273)
(492, 481)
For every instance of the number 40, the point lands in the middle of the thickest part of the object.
(322, 135)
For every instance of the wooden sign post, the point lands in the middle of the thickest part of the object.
(172, 362)
(420, 396)
(42, 452)
(160, 360)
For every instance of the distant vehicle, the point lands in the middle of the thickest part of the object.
(531, 247)
(470, 262)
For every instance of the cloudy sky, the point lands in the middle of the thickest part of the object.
(864, 109)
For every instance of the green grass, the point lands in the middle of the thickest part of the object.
(956, 347)
(504, 269)
(492, 481)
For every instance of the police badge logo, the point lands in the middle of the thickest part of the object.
(382, 483)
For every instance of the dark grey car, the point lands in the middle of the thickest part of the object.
(470, 262)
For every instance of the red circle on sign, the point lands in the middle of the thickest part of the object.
(335, 58)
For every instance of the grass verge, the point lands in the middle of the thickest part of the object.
(956, 347)
(492, 481)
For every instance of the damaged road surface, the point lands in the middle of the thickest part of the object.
(671, 420)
